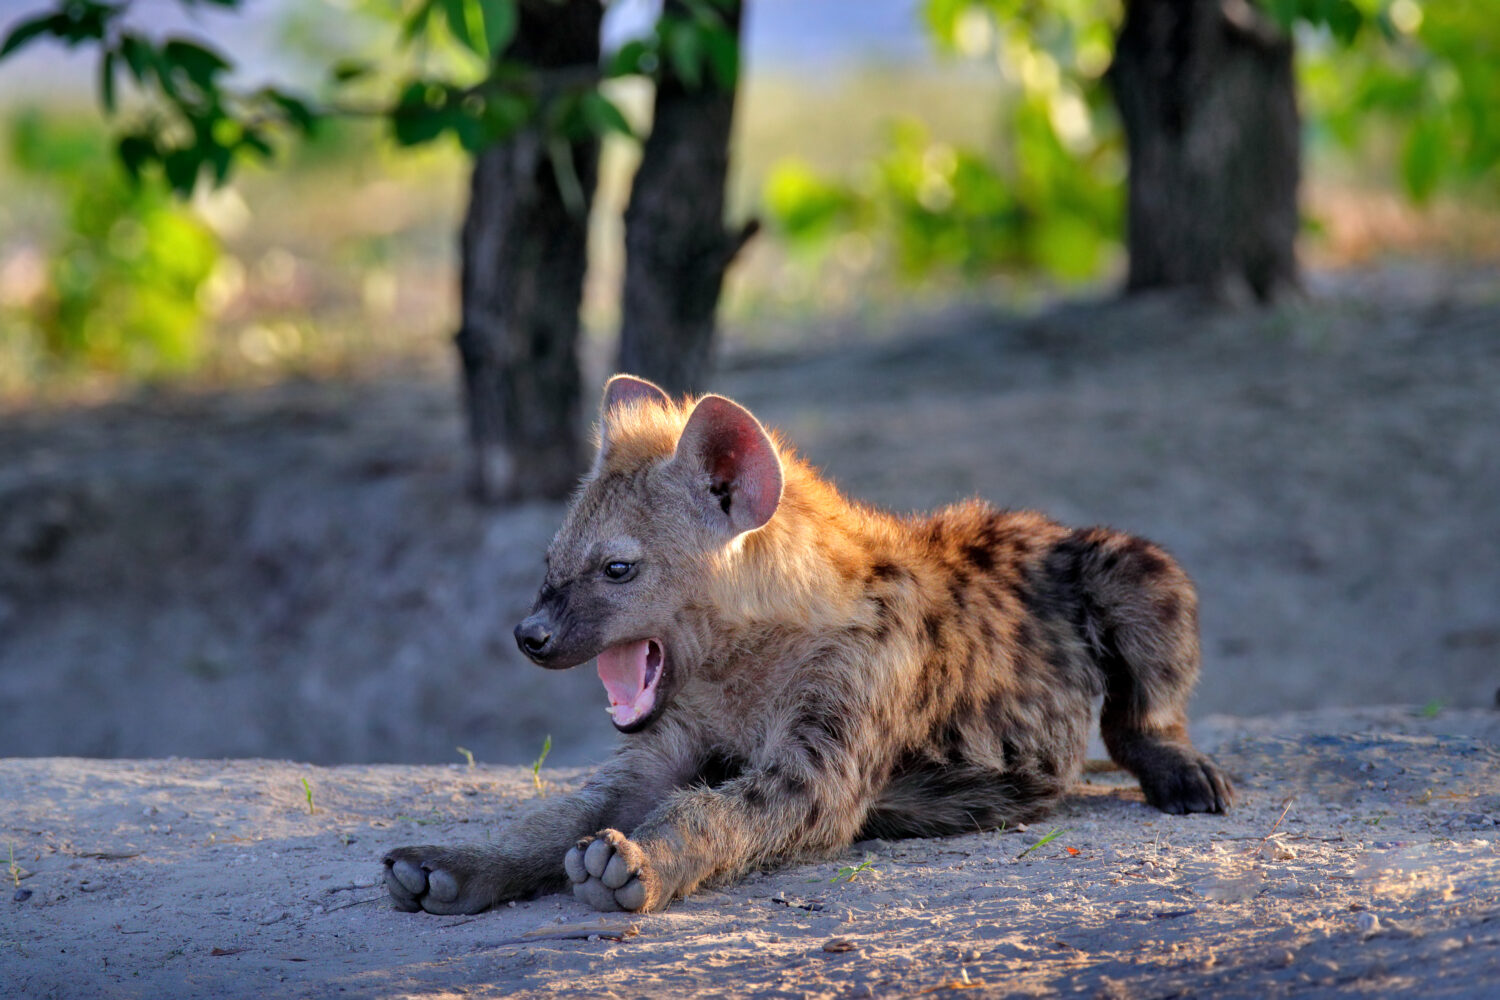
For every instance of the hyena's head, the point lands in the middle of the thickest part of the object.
(673, 490)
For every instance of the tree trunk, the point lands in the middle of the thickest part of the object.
(1206, 92)
(676, 246)
(524, 254)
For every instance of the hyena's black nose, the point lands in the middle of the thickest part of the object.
(534, 637)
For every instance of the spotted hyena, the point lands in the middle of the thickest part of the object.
(795, 671)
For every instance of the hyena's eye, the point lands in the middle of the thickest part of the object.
(618, 571)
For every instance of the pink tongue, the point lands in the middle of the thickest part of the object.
(622, 668)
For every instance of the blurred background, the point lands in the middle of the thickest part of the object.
(1221, 273)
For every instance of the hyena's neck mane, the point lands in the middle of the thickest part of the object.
(801, 567)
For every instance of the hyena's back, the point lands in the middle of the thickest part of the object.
(1023, 625)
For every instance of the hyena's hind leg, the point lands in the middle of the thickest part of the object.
(1140, 618)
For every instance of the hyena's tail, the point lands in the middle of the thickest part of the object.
(1139, 615)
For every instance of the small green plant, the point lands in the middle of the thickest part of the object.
(1432, 708)
(536, 767)
(848, 872)
(15, 869)
(307, 789)
(468, 755)
(1049, 838)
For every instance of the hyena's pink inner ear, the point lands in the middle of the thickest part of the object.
(744, 473)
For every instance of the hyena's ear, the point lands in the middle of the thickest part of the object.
(730, 456)
(623, 390)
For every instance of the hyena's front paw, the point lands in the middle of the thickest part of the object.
(1183, 780)
(440, 880)
(609, 872)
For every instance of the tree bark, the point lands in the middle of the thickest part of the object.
(524, 255)
(676, 244)
(1206, 92)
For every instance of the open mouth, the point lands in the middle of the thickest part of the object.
(632, 673)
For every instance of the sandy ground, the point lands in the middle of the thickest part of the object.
(1363, 860)
(294, 573)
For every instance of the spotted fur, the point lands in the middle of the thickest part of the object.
(833, 672)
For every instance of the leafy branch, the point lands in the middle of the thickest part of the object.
(191, 124)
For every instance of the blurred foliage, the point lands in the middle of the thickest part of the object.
(456, 80)
(1043, 196)
(949, 209)
(195, 125)
(123, 283)
(1046, 196)
(1415, 84)
(120, 288)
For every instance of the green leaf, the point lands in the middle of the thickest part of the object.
(466, 24)
(135, 151)
(603, 116)
(500, 22)
(417, 23)
(635, 57)
(471, 129)
(25, 32)
(219, 159)
(1284, 12)
(1344, 20)
(181, 166)
(346, 70)
(685, 52)
(560, 152)
(107, 81)
(421, 113)
(139, 56)
(294, 108)
(723, 51)
(255, 140)
(200, 64)
(506, 113)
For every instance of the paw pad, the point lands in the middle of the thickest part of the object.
(607, 872)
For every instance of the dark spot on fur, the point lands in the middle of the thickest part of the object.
(815, 750)
(956, 594)
(884, 619)
(884, 570)
(924, 698)
(981, 556)
(949, 740)
(811, 819)
(1146, 559)
(1026, 635)
(933, 623)
(794, 783)
(754, 795)
(827, 724)
(1011, 753)
(1168, 609)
